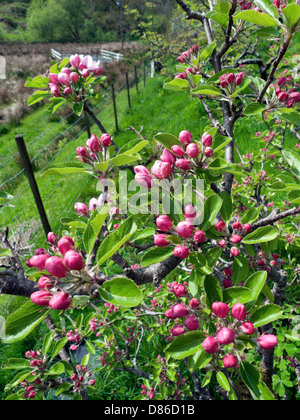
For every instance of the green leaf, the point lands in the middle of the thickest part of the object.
(177, 84)
(206, 54)
(212, 206)
(39, 82)
(254, 108)
(47, 342)
(17, 364)
(116, 240)
(199, 360)
(185, 345)
(125, 159)
(227, 207)
(156, 255)
(59, 346)
(207, 89)
(212, 256)
(267, 7)
(252, 16)
(121, 291)
(213, 291)
(57, 369)
(292, 117)
(262, 234)
(223, 381)
(293, 159)
(240, 269)
(37, 97)
(167, 140)
(93, 229)
(78, 108)
(250, 376)
(64, 171)
(266, 315)
(292, 14)
(233, 295)
(102, 167)
(22, 322)
(255, 283)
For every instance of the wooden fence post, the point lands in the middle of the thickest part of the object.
(128, 89)
(32, 182)
(115, 106)
(136, 79)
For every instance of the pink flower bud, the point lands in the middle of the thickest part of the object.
(56, 267)
(52, 238)
(227, 283)
(239, 78)
(45, 283)
(192, 150)
(75, 60)
(53, 78)
(65, 244)
(225, 336)
(220, 226)
(178, 151)
(191, 323)
(41, 298)
(180, 310)
(85, 73)
(247, 228)
(247, 328)
(268, 341)
(223, 82)
(168, 157)
(170, 314)
(98, 71)
(164, 223)
(161, 241)
(283, 96)
(190, 211)
(230, 361)
(64, 79)
(38, 261)
(185, 137)
(60, 302)
(237, 226)
(194, 303)
(145, 181)
(220, 309)
(177, 330)
(208, 152)
(81, 208)
(235, 252)
(82, 152)
(239, 312)
(93, 144)
(210, 345)
(282, 81)
(181, 252)
(236, 239)
(93, 204)
(207, 140)
(55, 91)
(183, 164)
(185, 229)
(295, 96)
(231, 78)
(106, 140)
(68, 91)
(161, 170)
(199, 237)
(74, 77)
(180, 290)
(73, 260)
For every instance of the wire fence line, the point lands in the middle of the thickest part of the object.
(20, 214)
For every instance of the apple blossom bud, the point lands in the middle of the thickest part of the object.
(239, 78)
(295, 96)
(106, 140)
(220, 309)
(282, 81)
(161, 170)
(53, 78)
(207, 140)
(247, 228)
(236, 239)
(268, 341)
(225, 336)
(183, 164)
(64, 79)
(223, 82)
(85, 73)
(208, 152)
(170, 314)
(283, 96)
(210, 345)
(180, 290)
(56, 267)
(220, 226)
(55, 91)
(237, 226)
(164, 223)
(98, 71)
(239, 312)
(230, 361)
(199, 237)
(45, 283)
(144, 180)
(235, 252)
(93, 144)
(191, 323)
(178, 151)
(181, 252)
(190, 211)
(168, 157)
(60, 302)
(74, 77)
(38, 261)
(73, 260)
(41, 298)
(75, 60)
(185, 229)
(52, 238)
(185, 137)
(161, 241)
(231, 78)
(194, 303)
(177, 330)
(180, 310)
(81, 208)
(247, 328)
(82, 152)
(227, 283)
(192, 150)
(65, 244)
(68, 91)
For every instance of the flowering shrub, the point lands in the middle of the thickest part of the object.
(215, 234)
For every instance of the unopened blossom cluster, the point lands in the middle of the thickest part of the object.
(189, 55)
(181, 158)
(82, 378)
(38, 363)
(61, 261)
(286, 96)
(229, 82)
(69, 82)
(231, 240)
(247, 5)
